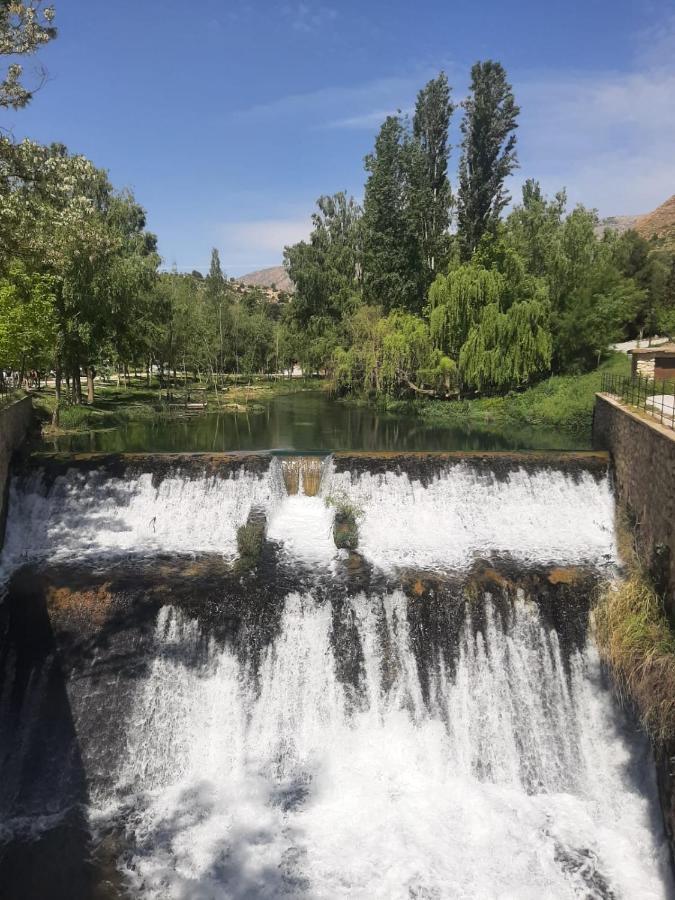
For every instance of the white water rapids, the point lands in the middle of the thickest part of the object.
(356, 755)
(542, 516)
(515, 780)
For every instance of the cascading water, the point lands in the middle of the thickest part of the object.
(425, 717)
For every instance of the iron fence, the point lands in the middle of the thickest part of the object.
(656, 398)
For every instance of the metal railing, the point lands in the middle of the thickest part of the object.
(655, 397)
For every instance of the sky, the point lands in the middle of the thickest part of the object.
(229, 119)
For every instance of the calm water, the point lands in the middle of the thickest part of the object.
(311, 421)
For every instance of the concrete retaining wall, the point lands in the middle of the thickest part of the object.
(14, 422)
(643, 453)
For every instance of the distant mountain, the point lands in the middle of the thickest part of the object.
(274, 277)
(658, 225)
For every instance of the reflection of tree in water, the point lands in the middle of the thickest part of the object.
(313, 421)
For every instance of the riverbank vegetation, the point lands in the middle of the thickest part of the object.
(637, 641)
(134, 401)
(560, 402)
(426, 292)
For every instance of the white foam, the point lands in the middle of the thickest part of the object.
(541, 516)
(304, 527)
(93, 513)
(514, 781)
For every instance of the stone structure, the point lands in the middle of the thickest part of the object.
(643, 453)
(14, 422)
(657, 363)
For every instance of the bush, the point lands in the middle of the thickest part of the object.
(637, 641)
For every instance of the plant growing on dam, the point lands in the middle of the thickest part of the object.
(637, 641)
(250, 540)
(345, 524)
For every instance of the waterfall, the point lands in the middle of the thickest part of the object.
(512, 774)
(424, 716)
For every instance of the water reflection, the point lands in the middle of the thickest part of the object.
(312, 421)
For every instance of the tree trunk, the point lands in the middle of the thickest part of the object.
(77, 385)
(57, 395)
(90, 384)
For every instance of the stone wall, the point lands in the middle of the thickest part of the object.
(643, 454)
(14, 422)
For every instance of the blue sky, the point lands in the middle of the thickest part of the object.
(230, 119)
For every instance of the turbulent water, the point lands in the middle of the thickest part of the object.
(423, 718)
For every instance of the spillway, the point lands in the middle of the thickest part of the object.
(424, 716)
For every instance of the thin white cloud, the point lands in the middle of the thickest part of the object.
(307, 17)
(367, 120)
(256, 243)
(332, 104)
(608, 138)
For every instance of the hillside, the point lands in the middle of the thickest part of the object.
(658, 224)
(275, 276)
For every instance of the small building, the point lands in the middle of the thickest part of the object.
(654, 362)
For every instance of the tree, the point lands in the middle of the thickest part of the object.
(27, 319)
(25, 27)
(327, 269)
(392, 270)
(488, 153)
(456, 301)
(392, 355)
(430, 195)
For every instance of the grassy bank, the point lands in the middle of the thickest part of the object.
(561, 402)
(637, 641)
(117, 406)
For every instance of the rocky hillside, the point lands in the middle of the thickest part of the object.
(659, 224)
(275, 277)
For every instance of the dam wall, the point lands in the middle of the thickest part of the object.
(14, 422)
(643, 455)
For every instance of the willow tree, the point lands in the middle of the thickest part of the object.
(507, 349)
(392, 355)
(495, 323)
(456, 301)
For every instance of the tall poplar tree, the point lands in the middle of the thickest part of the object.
(430, 191)
(488, 153)
(391, 264)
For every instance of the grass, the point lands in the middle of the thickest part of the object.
(116, 406)
(636, 640)
(561, 402)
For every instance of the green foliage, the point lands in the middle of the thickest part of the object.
(27, 319)
(637, 641)
(391, 259)
(455, 303)
(561, 403)
(392, 355)
(488, 153)
(25, 27)
(507, 349)
(345, 524)
(326, 270)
